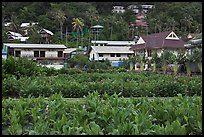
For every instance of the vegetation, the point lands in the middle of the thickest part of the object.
(77, 83)
(102, 115)
(116, 26)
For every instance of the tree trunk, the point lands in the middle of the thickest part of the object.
(61, 30)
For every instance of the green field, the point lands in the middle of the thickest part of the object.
(102, 114)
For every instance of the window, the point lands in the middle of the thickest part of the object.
(60, 53)
(149, 53)
(36, 53)
(42, 53)
(100, 55)
(112, 55)
(118, 55)
(17, 53)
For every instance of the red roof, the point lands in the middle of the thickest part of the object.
(158, 40)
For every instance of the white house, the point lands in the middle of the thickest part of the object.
(51, 53)
(134, 8)
(16, 36)
(118, 9)
(24, 26)
(114, 54)
(112, 43)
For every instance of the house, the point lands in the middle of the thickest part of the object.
(145, 8)
(7, 24)
(115, 54)
(191, 35)
(158, 42)
(42, 53)
(118, 9)
(196, 41)
(69, 53)
(16, 36)
(10, 33)
(112, 43)
(140, 20)
(46, 35)
(134, 8)
(25, 26)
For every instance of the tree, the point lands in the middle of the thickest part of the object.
(60, 18)
(15, 23)
(78, 26)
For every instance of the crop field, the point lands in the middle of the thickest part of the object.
(108, 103)
(103, 115)
(125, 83)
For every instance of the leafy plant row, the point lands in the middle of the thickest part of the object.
(127, 83)
(21, 67)
(103, 115)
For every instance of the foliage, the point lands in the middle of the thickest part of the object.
(79, 59)
(116, 26)
(20, 67)
(77, 83)
(102, 115)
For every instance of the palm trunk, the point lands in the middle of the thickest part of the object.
(61, 27)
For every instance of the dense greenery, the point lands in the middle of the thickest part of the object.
(181, 17)
(79, 84)
(102, 115)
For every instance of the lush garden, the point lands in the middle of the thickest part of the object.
(112, 101)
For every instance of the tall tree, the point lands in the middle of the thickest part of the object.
(78, 26)
(15, 24)
(60, 18)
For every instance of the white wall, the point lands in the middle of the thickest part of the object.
(27, 53)
(106, 56)
(30, 53)
(51, 53)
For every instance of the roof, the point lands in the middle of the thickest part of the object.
(111, 49)
(47, 31)
(69, 50)
(158, 40)
(19, 38)
(37, 46)
(27, 24)
(14, 34)
(7, 24)
(195, 41)
(97, 26)
(125, 43)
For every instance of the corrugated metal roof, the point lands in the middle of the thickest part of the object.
(43, 46)
(69, 50)
(115, 42)
(112, 49)
(47, 31)
(19, 38)
(14, 34)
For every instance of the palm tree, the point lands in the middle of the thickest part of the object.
(91, 14)
(60, 18)
(78, 26)
(14, 26)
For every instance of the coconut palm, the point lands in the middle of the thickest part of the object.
(15, 25)
(78, 26)
(60, 18)
(91, 14)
